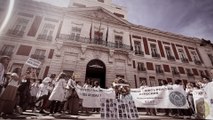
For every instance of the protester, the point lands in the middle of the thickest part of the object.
(4, 61)
(8, 97)
(44, 91)
(24, 92)
(189, 90)
(34, 88)
(73, 99)
(58, 93)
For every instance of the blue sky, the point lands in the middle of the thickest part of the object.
(187, 17)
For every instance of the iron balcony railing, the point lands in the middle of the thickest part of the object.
(159, 71)
(190, 75)
(44, 37)
(95, 42)
(7, 53)
(169, 57)
(139, 53)
(155, 55)
(184, 60)
(142, 69)
(197, 62)
(38, 57)
(175, 73)
(18, 33)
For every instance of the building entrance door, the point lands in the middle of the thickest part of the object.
(96, 71)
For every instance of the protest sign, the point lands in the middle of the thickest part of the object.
(203, 101)
(118, 109)
(171, 96)
(33, 62)
(91, 97)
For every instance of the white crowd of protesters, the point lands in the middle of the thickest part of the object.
(56, 94)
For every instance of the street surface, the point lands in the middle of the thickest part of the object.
(83, 116)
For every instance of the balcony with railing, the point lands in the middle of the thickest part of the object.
(139, 53)
(98, 42)
(170, 57)
(159, 71)
(38, 57)
(7, 53)
(184, 60)
(175, 73)
(17, 33)
(141, 69)
(189, 74)
(197, 62)
(45, 37)
(155, 55)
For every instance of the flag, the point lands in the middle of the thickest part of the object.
(107, 33)
(130, 38)
(90, 33)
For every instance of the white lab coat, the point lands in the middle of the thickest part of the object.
(58, 93)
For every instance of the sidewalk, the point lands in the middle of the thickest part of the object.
(82, 116)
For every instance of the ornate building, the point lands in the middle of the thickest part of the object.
(97, 42)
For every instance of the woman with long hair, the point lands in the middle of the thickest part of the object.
(58, 93)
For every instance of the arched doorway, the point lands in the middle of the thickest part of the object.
(96, 71)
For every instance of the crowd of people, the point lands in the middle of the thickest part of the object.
(189, 88)
(56, 94)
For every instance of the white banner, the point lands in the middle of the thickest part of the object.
(33, 62)
(92, 97)
(170, 96)
(203, 101)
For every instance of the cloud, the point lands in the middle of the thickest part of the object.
(188, 17)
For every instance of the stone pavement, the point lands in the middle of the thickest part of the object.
(82, 116)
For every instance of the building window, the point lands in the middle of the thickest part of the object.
(189, 73)
(7, 50)
(19, 27)
(169, 53)
(158, 69)
(138, 49)
(47, 32)
(98, 37)
(211, 58)
(133, 62)
(141, 67)
(75, 34)
(195, 58)
(39, 54)
(154, 51)
(24, 50)
(182, 56)
(118, 41)
(175, 71)
(143, 81)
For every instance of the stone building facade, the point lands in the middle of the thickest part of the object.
(95, 41)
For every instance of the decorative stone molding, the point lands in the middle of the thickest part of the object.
(83, 50)
(111, 54)
(58, 48)
(97, 54)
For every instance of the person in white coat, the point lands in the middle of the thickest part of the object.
(44, 91)
(4, 60)
(58, 93)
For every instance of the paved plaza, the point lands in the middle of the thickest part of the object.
(83, 116)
